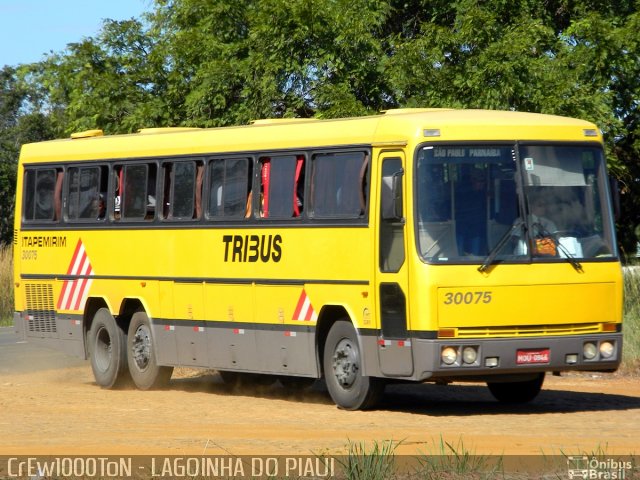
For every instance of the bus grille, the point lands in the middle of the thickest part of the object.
(529, 330)
(40, 309)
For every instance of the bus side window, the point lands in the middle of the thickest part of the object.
(282, 186)
(182, 184)
(43, 194)
(229, 188)
(138, 195)
(392, 252)
(86, 193)
(339, 185)
(118, 181)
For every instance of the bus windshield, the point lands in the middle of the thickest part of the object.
(469, 206)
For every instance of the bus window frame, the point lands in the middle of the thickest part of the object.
(519, 177)
(366, 161)
(258, 186)
(206, 189)
(100, 219)
(163, 183)
(114, 218)
(125, 164)
(58, 216)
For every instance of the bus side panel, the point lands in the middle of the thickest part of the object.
(287, 352)
(231, 340)
(41, 323)
(48, 328)
(284, 348)
(163, 336)
(190, 333)
(166, 344)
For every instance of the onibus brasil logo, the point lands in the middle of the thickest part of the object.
(597, 468)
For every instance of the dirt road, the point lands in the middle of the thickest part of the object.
(51, 406)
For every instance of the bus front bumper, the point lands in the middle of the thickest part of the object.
(468, 359)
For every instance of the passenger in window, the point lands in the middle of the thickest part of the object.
(542, 229)
(471, 213)
(247, 210)
(298, 186)
(116, 206)
(96, 209)
(151, 207)
(539, 216)
(102, 207)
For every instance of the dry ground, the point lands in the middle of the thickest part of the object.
(61, 411)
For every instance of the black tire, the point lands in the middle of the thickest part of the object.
(517, 392)
(342, 362)
(145, 371)
(107, 346)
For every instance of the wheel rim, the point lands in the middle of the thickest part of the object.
(346, 363)
(141, 348)
(103, 350)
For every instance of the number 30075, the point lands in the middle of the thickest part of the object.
(467, 298)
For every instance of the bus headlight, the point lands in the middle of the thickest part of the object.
(469, 355)
(449, 355)
(589, 350)
(606, 349)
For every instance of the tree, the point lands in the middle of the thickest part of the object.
(214, 63)
(233, 62)
(579, 60)
(110, 82)
(17, 126)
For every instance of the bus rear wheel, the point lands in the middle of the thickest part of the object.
(517, 392)
(145, 372)
(342, 363)
(107, 345)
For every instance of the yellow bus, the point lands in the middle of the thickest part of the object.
(415, 245)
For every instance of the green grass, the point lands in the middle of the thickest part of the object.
(6, 285)
(374, 463)
(447, 460)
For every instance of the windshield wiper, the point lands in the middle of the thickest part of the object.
(547, 234)
(501, 243)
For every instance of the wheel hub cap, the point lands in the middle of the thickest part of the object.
(345, 363)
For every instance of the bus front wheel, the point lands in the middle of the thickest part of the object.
(145, 372)
(342, 362)
(107, 344)
(517, 392)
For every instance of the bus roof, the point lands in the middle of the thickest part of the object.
(393, 127)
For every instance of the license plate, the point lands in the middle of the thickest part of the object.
(528, 357)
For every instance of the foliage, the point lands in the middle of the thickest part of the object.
(374, 463)
(111, 82)
(631, 324)
(6, 285)
(215, 62)
(454, 460)
(17, 126)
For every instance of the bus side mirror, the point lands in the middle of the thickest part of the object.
(392, 197)
(614, 186)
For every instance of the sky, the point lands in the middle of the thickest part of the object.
(30, 29)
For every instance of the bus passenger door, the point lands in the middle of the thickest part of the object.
(394, 345)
